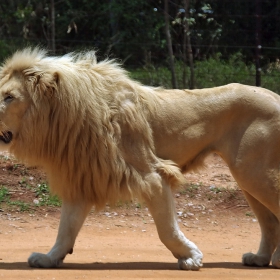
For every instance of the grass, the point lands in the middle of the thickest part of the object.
(132, 204)
(18, 204)
(45, 198)
(250, 214)
(210, 193)
(41, 192)
(4, 194)
(191, 190)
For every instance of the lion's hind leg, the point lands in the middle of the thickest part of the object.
(270, 230)
(161, 206)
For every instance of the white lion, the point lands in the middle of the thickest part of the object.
(101, 136)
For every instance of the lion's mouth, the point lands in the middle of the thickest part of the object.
(6, 136)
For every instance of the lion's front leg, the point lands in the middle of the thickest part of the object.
(71, 221)
(161, 206)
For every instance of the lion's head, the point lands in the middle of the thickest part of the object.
(23, 87)
(13, 103)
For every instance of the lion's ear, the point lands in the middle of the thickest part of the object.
(42, 83)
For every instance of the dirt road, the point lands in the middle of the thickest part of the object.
(123, 244)
(124, 248)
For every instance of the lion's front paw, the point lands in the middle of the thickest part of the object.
(194, 263)
(251, 259)
(189, 264)
(42, 260)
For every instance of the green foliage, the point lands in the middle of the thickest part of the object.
(4, 49)
(153, 76)
(4, 194)
(211, 72)
(223, 36)
(23, 12)
(216, 71)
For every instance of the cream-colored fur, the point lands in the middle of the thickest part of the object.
(101, 137)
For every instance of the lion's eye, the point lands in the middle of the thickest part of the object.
(8, 98)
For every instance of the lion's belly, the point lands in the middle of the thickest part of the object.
(182, 145)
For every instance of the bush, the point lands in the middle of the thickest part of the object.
(212, 72)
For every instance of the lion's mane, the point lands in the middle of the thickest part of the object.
(88, 126)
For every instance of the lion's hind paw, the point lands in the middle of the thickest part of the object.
(251, 259)
(43, 261)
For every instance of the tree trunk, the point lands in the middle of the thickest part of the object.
(52, 33)
(114, 26)
(169, 45)
(258, 43)
(184, 51)
(188, 47)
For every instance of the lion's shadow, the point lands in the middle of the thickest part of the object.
(127, 266)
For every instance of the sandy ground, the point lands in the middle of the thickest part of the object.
(123, 244)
